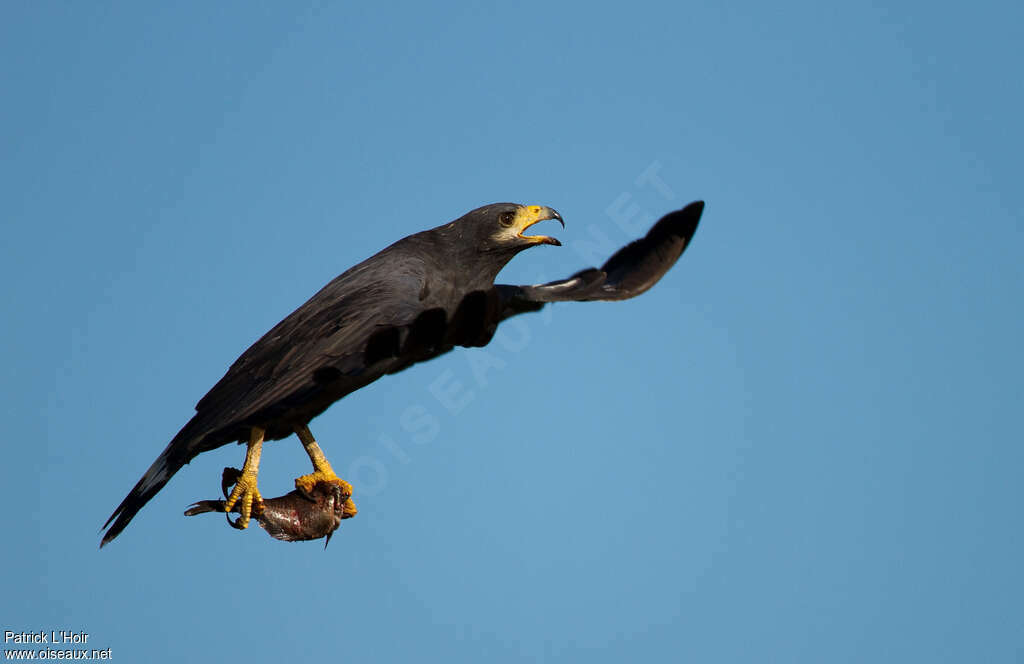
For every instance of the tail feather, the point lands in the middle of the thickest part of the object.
(182, 449)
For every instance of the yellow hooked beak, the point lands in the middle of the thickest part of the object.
(528, 215)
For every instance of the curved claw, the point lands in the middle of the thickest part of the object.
(228, 479)
(349, 509)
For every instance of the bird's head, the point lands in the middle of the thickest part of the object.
(501, 227)
(483, 240)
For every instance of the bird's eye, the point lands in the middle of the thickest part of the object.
(507, 218)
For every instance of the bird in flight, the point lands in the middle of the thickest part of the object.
(415, 300)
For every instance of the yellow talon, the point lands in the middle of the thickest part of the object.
(246, 493)
(322, 472)
(307, 482)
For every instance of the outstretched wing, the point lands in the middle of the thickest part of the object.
(630, 271)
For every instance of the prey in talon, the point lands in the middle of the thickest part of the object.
(296, 516)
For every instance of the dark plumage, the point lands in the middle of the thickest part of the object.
(415, 300)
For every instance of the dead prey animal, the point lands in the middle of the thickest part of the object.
(294, 517)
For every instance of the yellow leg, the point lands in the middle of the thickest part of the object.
(322, 471)
(245, 488)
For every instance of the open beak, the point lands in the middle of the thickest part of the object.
(529, 215)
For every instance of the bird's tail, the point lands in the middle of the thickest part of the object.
(182, 449)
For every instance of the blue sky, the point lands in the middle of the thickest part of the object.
(802, 445)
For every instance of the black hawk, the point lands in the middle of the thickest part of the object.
(415, 300)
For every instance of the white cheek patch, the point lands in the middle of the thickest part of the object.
(507, 234)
